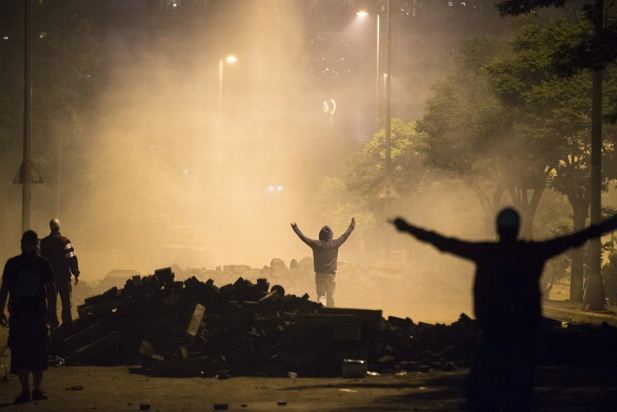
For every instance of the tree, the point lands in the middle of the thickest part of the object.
(555, 109)
(470, 132)
(594, 49)
(366, 168)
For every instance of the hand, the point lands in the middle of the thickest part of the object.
(400, 224)
(294, 225)
(353, 222)
(3, 320)
(76, 279)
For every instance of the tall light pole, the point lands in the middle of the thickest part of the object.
(378, 77)
(26, 172)
(388, 101)
(388, 116)
(387, 78)
(593, 296)
(229, 59)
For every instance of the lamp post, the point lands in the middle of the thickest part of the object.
(387, 78)
(363, 14)
(593, 296)
(231, 60)
(26, 175)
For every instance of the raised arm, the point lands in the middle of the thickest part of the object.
(308, 241)
(457, 247)
(560, 244)
(341, 239)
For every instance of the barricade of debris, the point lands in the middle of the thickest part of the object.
(194, 328)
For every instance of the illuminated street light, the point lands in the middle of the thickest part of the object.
(230, 59)
(275, 188)
(387, 79)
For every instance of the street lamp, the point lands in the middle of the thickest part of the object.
(387, 78)
(230, 60)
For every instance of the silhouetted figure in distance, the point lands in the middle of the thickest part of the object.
(507, 305)
(28, 283)
(325, 255)
(60, 252)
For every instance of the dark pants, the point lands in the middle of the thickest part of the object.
(28, 341)
(326, 285)
(64, 290)
(501, 377)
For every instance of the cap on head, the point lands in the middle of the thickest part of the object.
(326, 233)
(54, 224)
(29, 241)
(508, 223)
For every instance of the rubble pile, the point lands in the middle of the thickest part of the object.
(194, 328)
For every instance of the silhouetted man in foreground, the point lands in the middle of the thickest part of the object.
(59, 250)
(325, 255)
(506, 304)
(28, 283)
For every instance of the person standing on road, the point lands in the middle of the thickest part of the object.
(28, 283)
(325, 255)
(59, 250)
(507, 305)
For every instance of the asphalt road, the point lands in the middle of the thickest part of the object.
(114, 389)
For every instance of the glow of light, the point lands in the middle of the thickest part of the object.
(231, 59)
(279, 188)
(362, 13)
(270, 188)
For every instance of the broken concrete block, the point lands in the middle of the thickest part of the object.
(196, 318)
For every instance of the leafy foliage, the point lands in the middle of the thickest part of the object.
(366, 169)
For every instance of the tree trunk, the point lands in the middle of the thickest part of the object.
(527, 207)
(579, 210)
(490, 203)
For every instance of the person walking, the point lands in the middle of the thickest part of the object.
(60, 252)
(28, 283)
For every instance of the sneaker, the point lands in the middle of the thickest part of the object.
(38, 396)
(23, 398)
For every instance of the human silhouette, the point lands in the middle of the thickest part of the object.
(60, 252)
(325, 255)
(28, 283)
(507, 305)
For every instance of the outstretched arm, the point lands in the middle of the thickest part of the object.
(308, 241)
(457, 247)
(341, 239)
(560, 244)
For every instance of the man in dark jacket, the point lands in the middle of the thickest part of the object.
(28, 283)
(59, 251)
(325, 254)
(507, 305)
